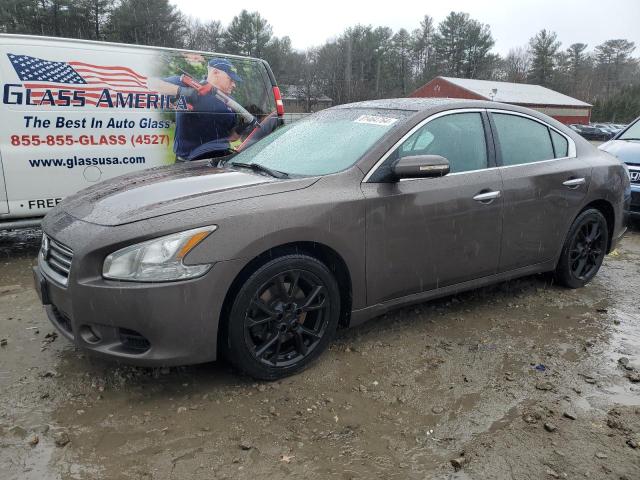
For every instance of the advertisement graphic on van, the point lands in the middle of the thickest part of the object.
(80, 112)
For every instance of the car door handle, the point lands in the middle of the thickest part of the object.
(574, 182)
(487, 197)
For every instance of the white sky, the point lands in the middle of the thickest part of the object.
(512, 22)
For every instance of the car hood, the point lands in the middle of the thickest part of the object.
(627, 151)
(165, 190)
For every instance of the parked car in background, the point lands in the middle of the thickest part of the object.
(587, 131)
(607, 130)
(75, 112)
(329, 221)
(615, 128)
(626, 147)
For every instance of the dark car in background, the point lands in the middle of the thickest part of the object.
(588, 132)
(607, 130)
(329, 221)
(626, 147)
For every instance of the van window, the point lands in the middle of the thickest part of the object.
(522, 140)
(251, 90)
(216, 120)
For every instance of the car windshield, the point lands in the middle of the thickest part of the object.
(632, 133)
(324, 143)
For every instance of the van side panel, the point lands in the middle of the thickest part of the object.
(4, 206)
(71, 121)
(75, 113)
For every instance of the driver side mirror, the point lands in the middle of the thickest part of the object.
(421, 166)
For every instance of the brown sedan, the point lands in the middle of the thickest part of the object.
(325, 223)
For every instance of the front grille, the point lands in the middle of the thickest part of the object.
(58, 257)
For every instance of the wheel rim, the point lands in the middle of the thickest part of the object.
(287, 317)
(587, 250)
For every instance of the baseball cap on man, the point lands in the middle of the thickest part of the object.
(226, 66)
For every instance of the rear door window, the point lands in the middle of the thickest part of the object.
(560, 144)
(522, 140)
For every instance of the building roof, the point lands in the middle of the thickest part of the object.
(520, 93)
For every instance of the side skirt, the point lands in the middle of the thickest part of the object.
(362, 315)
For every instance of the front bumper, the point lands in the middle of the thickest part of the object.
(634, 207)
(146, 324)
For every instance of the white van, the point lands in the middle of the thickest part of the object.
(76, 112)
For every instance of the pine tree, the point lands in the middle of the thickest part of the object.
(544, 46)
(146, 22)
(248, 34)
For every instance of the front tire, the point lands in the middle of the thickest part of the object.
(283, 317)
(584, 249)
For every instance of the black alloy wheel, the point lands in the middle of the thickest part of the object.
(587, 250)
(283, 317)
(584, 249)
(287, 318)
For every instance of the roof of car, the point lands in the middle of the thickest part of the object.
(412, 104)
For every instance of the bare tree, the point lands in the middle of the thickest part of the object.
(203, 36)
(517, 64)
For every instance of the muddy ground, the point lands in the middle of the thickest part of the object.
(523, 380)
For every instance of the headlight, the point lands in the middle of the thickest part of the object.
(157, 260)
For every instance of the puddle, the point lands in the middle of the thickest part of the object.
(396, 398)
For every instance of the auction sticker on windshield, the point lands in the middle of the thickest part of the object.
(376, 120)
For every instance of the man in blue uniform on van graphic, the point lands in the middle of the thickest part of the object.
(209, 119)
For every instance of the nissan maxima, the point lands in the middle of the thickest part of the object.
(327, 222)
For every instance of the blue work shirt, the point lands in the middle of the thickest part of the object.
(210, 120)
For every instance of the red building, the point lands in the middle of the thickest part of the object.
(563, 108)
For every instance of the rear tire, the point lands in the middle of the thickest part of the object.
(584, 249)
(283, 317)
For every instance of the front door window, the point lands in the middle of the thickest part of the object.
(458, 137)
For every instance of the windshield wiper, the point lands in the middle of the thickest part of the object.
(256, 167)
(629, 139)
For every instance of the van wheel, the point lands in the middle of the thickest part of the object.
(283, 317)
(584, 250)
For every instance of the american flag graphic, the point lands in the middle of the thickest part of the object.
(41, 75)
